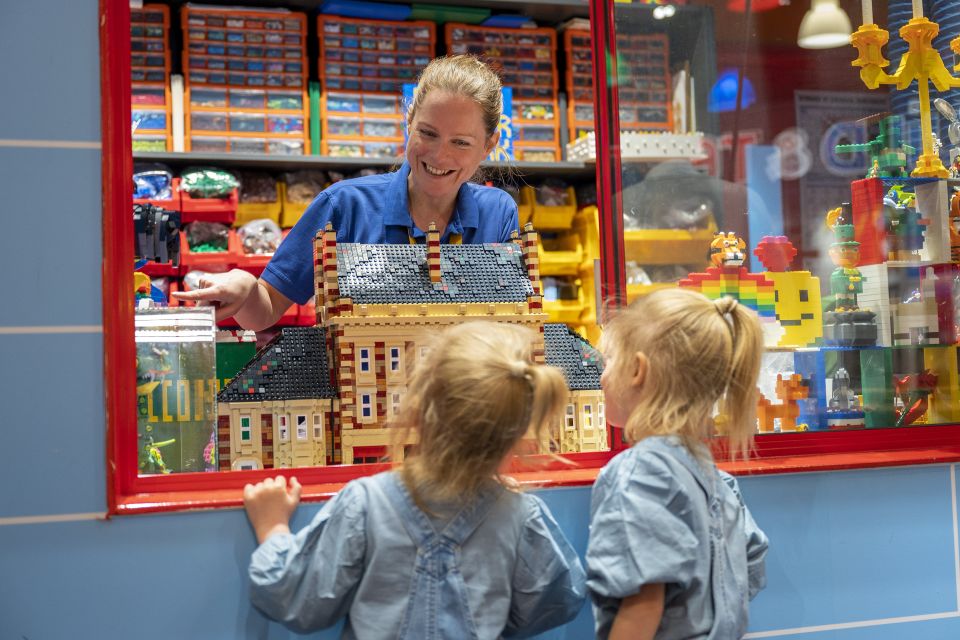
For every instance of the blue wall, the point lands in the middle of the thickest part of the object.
(855, 555)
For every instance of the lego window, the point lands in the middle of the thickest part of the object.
(742, 154)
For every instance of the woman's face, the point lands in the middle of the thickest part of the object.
(447, 142)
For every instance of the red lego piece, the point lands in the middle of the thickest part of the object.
(869, 226)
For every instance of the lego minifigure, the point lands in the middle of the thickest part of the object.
(846, 324)
(843, 410)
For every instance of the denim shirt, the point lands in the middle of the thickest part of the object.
(498, 566)
(660, 515)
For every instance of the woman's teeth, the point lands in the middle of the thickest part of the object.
(436, 172)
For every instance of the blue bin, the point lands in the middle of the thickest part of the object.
(370, 10)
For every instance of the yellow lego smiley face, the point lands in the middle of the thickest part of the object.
(798, 307)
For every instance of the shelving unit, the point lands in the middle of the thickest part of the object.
(284, 163)
(526, 60)
(245, 80)
(150, 77)
(363, 67)
(645, 87)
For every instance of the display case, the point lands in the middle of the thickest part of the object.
(849, 380)
(824, 219)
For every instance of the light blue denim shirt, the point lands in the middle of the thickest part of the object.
(496, 567)
(659, 515)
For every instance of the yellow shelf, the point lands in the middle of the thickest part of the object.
(668, 246)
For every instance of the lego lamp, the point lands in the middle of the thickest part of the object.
(824, 26)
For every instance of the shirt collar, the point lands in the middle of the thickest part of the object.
(465, 212)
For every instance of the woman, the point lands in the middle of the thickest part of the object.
(452, 127)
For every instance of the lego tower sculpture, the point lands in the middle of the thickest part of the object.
(921, 62)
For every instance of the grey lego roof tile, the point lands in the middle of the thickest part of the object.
(292, 366)
(398, 274)
(580, 362)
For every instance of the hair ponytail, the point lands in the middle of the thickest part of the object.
(549, 395)
(739, 406)
(473, 399)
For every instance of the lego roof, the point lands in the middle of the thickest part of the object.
(580, 362)
(397, 274)
(292, 366)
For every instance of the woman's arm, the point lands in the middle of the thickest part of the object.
(254, 303)
(639, 615)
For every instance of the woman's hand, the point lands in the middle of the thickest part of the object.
(270, 504)
(228, 292)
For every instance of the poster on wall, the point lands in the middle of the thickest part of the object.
(824, 120)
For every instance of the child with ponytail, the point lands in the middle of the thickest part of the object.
(673, 550)
(443, 547)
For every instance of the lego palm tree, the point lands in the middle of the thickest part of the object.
(921, 62)
(888, 154)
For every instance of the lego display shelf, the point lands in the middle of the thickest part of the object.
(282, 163)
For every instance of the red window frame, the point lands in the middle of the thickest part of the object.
(129, 493)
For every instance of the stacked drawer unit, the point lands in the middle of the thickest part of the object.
(150, 78)
(246, 81)
(580, 115)
(525, 60)
(645, 93)
(363, 67)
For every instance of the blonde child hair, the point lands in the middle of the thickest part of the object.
(464, 75)
(470, 402)
(702, 355)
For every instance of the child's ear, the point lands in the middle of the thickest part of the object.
(640, 366)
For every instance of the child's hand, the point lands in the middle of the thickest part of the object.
(270, 504)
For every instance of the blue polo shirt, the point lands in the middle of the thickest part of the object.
(374, 210)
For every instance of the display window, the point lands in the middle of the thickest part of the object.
(749, 149)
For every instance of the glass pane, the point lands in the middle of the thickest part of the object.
(176, 390)
(756, 167)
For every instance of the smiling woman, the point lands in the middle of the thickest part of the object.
(453, 126)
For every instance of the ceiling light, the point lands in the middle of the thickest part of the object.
(824, 26)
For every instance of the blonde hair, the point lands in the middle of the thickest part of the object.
(464, 75)
(471, 401)
(700, 353)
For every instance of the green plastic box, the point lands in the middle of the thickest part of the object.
(442, 13)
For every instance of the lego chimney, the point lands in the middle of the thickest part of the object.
(531, 256)
(327, 289)
(433, 253)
